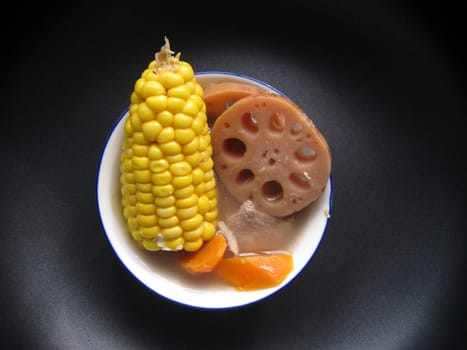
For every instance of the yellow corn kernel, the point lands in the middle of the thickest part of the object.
(172, 232)
(127, 165)
(165, 118)
(175, 104)
(212, 203)
(141, 187)
(133, 223)
(211, 184)
(204, 141)
(159, 165)
(136, 235)
(154, 152)
(138, 137)
(182, 181)
(140, 163)
(146, 220)
(145, 113)
(164, 202)
(144, 197)
(167, 134)
(135, 98)
(192, 223)
(168, 222)
(193, 159)
(175, 158)
(129, 178)
(151, 130)
(190, 108)
(131, 188)
(187, 213)
(157, 103)
(135, 122)
(180, 168)
(193, 245)
(211, 194)
(191, 85)
(198, 126)
(199, 91)
(138, 88)
(150, 245)
(162, 190)
(182, 121)
(170, 79)
(208, 175)
(130, 211)
(132, 200)
(171, 148)
(175, 244)
(152, 88)
(145, 209)
(128, 128)
(203, 205)
(140, 150)
(184, 136)
(133, 108)
(162, 178)
(198, 176)
(149, 232)
(191, 147)
(200, 189)
(194, 234)
(186, 71)
(166, 212)
(187, 202)
(211, 215)
(207, 164)
(181, 92)
(184, 192)
(209, 230)
(142, 176)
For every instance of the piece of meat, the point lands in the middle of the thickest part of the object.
(255, 231)
(266, 149)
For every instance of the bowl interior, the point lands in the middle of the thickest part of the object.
(160, 271)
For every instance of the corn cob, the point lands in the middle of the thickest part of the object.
(168, 187)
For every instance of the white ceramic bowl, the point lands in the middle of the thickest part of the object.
(158, 271)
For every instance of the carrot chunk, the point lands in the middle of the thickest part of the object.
(207, 258)
(253, 272)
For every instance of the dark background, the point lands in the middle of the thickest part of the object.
(383, 80)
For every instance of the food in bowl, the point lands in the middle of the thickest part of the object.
(179, 204)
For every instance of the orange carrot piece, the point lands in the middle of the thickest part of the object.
(207, 257)
(253, 272)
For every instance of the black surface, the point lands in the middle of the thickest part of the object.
(385, 83)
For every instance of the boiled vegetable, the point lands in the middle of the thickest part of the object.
(167, 179)
(207, 258)
(252, 272)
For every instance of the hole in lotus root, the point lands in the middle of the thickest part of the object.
(277, 122)
(272, 191)
(244, 176)
(249, 123)
(296, 129)
(305, 154)
(300, 179)
(229, 103)
(234, 147)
